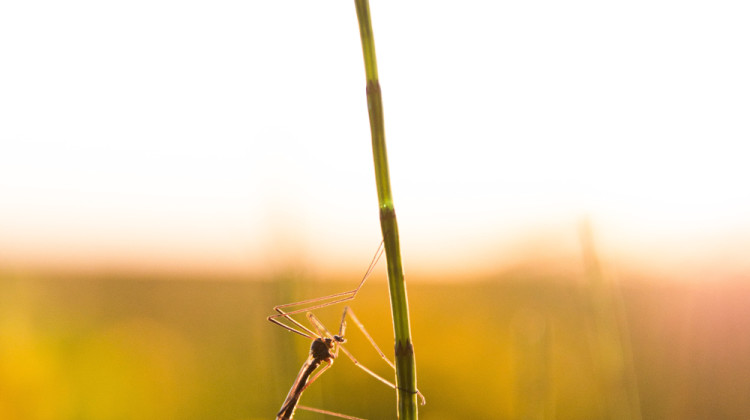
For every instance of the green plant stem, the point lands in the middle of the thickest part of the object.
(406, 371)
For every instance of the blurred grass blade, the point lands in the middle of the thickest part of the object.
(610, 338)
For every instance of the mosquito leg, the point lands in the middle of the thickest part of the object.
(342, 326)
(298, 328)
(338, 297)
(330, 413)
(351, 295)
(361, 327)
(363, 367)
(317, 375)
(303, 331)
(369, 337)
(319, 327)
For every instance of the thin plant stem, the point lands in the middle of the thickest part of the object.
(406, 371)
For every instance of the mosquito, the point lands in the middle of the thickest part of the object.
(325, 346)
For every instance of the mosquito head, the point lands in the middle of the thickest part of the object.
(339, 339)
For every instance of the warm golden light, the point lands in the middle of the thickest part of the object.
(570, 180)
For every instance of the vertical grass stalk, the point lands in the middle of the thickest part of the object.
(610, 338)
(406, 371)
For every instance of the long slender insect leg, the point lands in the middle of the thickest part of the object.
(367, 335)
(316, 376)
(338, 298)
(363, 367)
(378, 254)
(319, 328)
(342, 326)
(330, 413)
(303, 331)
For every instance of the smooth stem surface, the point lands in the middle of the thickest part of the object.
(406, 371)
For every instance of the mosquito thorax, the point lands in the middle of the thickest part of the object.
(321, 348)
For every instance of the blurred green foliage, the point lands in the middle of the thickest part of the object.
(517, 346)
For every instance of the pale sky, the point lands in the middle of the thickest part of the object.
(233, 135)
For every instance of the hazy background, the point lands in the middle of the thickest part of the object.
(169, 171)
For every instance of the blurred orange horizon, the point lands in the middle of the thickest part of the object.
(697, 259)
